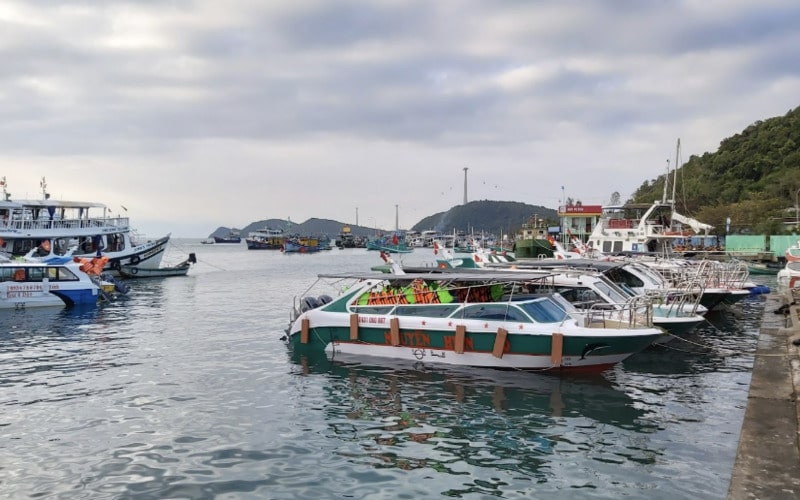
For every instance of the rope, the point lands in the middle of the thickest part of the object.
(698, 344)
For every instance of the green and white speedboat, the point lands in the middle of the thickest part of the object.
(470, 319)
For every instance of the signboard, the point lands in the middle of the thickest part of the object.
(582, 210)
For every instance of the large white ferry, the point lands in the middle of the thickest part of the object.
(50, 228)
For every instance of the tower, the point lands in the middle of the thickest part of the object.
(465, 185)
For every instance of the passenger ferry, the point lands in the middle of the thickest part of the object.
(50, 228)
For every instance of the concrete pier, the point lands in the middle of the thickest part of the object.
(768, 458)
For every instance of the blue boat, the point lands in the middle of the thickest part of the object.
(394, 244)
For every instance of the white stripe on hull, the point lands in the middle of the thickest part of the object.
(514, 361)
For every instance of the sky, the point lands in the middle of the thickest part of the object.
(196, 114)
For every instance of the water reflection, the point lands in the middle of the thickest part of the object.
(384, 413)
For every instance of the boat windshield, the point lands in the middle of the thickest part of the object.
(616, 295)
(544, 310)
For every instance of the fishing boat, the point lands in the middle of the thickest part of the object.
(58, 228)
(232, 237)
(26, 285)
(533, 240)
(266, 239)
(303, 244)
(180, 269)
(394, 244)
(470, 319)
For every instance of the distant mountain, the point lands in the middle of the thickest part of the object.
(474, 217)
(486, 216)
(311, 227)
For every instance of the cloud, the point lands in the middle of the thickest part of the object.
(196, 114)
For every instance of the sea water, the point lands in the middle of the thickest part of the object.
(184, 389)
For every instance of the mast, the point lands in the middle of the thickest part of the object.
(675, 173)
(666, 182)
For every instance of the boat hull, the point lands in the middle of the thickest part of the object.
(532, 249)
(518, 351)
(264, 245)
(133, 272)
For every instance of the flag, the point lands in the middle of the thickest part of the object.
(395, 240)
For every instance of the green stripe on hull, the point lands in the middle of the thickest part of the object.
(479, 342)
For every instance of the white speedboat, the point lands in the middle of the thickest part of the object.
(471, 319)
(37, 284)
(47, 229)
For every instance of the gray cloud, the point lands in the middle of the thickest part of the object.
(243, 107)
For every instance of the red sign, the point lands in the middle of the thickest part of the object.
(583, 209)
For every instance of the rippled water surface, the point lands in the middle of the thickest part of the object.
(183, 389)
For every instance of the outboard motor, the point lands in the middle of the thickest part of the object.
(119, 286)
(308, 303)
(192, 258)
(324, 299)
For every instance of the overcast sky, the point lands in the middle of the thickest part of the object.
(195, 114)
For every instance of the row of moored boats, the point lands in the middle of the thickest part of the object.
(573, 311)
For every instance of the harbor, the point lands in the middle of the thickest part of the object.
(184, 389)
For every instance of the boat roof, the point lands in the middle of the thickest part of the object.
(58, 203)
(474, 275)
(590, 264)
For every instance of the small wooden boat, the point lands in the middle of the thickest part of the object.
(764, 268)
(181, 269)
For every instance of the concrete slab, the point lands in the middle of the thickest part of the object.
(768, 458)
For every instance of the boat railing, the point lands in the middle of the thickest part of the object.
(634, 313)
(612, 223)
(684, 299)
(117, 223)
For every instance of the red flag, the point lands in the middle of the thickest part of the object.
(395, 240)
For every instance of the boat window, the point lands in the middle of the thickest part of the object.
(36, 273)
(493, 312)
(116, 242)
(12, 274)
(621, 276)
(544, 310)
(373, 309)
(65, 274)
(431, 311)
(617, 246)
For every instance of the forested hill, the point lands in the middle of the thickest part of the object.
(487, 216)
(753, 178)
